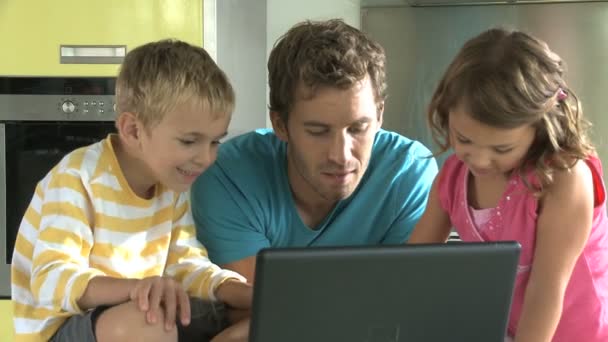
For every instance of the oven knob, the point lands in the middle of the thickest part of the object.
(68, 107)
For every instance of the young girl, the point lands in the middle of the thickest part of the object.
(523, 169)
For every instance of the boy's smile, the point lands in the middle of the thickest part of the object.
(182, 145)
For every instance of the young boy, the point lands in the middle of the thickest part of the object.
(106, 250)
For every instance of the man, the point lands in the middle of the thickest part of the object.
(327, 174)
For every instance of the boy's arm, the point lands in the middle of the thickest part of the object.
(103, 290)
(564, 225)
(61, 276)
(188, 262)
(62, 214)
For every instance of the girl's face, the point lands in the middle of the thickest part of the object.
(488, 151)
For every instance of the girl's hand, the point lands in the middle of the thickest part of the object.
(154, 294)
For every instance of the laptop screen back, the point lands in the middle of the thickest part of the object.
(430, 293)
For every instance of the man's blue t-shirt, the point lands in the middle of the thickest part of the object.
(243, 202)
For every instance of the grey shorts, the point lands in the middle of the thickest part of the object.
(207, 320)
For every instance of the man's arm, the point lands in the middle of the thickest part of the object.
(412, 195)
(187, 260)
(245, 267)
(227, 223)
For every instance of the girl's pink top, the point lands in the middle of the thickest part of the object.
(585, 309)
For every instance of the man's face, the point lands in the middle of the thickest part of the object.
(330, 137)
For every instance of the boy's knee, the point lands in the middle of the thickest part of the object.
(125, 322)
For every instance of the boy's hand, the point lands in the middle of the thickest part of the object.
(149, 293)
(235, 293)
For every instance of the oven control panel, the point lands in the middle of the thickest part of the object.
(90, 107)
(57, 107)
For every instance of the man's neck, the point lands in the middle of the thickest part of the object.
(313, 214)
(312, 207)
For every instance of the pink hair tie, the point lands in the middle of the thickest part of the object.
(561, 94)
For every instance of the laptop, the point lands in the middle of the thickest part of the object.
(414, 293)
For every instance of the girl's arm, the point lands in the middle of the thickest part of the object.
(564, 225)
(434, 226)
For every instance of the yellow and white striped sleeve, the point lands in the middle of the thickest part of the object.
(188, 261)
(60, 271)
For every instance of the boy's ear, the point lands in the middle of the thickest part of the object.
(129, 128)
(279, 126)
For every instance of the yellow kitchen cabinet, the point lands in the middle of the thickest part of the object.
(33, 30)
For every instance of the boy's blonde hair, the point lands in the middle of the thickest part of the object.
(508, 79)
(156, 77)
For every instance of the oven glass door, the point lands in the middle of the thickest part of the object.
(31, 150)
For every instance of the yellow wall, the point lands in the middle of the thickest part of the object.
(6, 321)
(32, 30)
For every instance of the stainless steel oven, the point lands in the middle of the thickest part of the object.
(41, 120)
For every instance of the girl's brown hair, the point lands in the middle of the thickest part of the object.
(508, 79)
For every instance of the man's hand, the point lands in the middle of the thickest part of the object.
(235, 294)
(154, 294)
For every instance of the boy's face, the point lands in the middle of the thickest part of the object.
(182, 145)
(330, 138)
